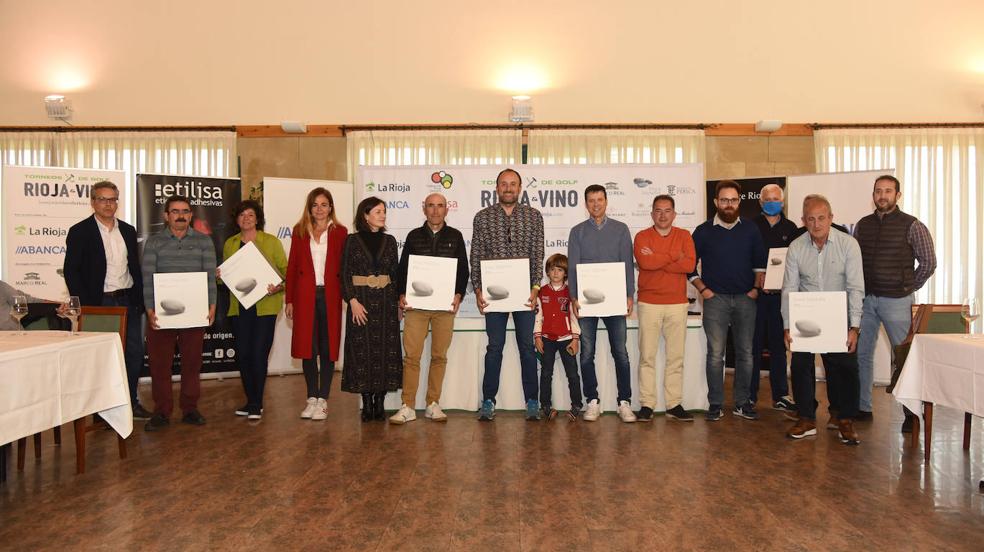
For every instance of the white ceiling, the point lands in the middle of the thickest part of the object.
(221, 62)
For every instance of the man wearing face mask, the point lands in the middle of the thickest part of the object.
(777, 231)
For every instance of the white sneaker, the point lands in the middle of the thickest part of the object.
(592, 412)
(435, 413)
(625, 412)
(403, 415)
(320, 410)
(312, 403)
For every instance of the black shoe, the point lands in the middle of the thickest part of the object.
(157, 422)
(242, 410)
(908, 423)
(194, 418)
(863, 416)
(254, 413)
(368, 401)
(140, 413)
(679, 414)
(379, 413)
(645, 414)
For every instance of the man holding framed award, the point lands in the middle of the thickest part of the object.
(443, 263)
(594, 241)
(508, 229)
(823, 261)
(177, 251)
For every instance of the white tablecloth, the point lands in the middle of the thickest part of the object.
(49, 378)
(466, 365)
(944, 369)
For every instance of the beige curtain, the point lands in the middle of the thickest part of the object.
(942, 176)
(615, 146)
(381, 148)
(176, 152)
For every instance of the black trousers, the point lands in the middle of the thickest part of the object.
(550, 350)
(319, 380)
(843, 383)
(254, 338)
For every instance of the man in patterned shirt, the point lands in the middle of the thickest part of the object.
(508, 229)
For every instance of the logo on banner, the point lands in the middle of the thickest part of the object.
(22, 230)
(198, 192)
(30, 279)
(284, 232)
(40, 250)
(611, 188)
(677, 190)
(642, 182)
(397, 204)
(442, 178)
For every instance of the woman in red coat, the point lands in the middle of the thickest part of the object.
(314, 298)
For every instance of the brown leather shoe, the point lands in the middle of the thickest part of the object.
(803, 428)
(845, 429)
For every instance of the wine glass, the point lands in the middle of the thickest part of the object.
(970, 310)
(19, 311)
(73, 308)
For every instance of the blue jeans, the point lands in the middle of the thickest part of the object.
(495, 329)
(133, 349)
(616, 341)
(721, 311)
(896, 314)
(768, 332)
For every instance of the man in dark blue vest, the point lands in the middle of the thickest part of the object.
(892, 243)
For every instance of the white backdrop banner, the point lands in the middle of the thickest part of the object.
(40, 204)
(283, 203)
(556, 190)
(849, 194)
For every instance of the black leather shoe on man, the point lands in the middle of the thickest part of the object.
(157, 422)
(193, 418)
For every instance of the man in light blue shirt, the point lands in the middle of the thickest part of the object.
(602, 240)
(821, 260)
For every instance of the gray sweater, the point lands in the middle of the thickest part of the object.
(609, 243)
(165, 253)
(7, 293)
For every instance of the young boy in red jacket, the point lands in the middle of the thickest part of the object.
(556, 331)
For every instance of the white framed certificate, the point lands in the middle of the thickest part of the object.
(430, 282)
(247, 273)
(181, 299)
(775, 268)
(601, 289)
(506, 284)
(818, 321)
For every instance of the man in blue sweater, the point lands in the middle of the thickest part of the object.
(602, 240)
(732, 256)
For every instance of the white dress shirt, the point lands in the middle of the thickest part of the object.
(319, 254)
(117, 273)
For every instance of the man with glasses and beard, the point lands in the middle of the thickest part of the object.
(732, 257)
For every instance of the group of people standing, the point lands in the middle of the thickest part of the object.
(327, 265)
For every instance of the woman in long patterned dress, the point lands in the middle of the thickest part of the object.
(373, 359)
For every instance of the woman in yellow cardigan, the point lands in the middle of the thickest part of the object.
(253, 327)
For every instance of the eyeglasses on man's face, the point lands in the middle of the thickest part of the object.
(105, 200)
(729, 200)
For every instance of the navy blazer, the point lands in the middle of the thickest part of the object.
(85, 262)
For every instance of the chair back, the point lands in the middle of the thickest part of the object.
(104, 319)
(42, 316)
